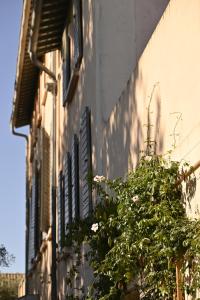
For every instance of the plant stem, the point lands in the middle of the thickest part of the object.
(179, 280)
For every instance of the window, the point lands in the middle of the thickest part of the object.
(67, 190)
(64, 200)
(61, 211)
(39, 203)
(72, 49)
(45, 180)
(75, 178)
(85, 154)
(74, 181)
(34, 215)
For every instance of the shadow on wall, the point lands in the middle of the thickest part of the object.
(132, 123)
(121, 139)
(148, 14)
(123, 132)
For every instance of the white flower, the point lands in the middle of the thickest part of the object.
(148, 157)
(135, 199)
(98, 178)
(95, 227)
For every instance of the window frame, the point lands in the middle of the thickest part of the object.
(73, 31)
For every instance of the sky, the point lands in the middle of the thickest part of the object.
(12, 149)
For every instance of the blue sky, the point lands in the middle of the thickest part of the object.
(12, 149)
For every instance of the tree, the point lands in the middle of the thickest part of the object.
(5, 257)
(8, 293)
(5, 260)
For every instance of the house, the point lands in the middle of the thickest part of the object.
(9, 282)
(94, 81)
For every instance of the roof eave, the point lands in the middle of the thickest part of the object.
(27, 11)
(53, 11)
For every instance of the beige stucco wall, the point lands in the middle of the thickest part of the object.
(167, 74)
(167, 79)
(39, 278)
(114, 37)
(123, 29)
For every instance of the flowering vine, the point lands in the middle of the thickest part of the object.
(139, 234)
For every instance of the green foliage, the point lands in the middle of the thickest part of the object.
(5, 257)
(8, 293)
(139, 231)
(5, 260)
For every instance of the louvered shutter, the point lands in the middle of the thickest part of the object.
(77, 34)
(33, 222)
(37, 237)
(45, 182)
(66, 62)
(85, 164)
(75, 179)
(31, 233)
(61, 211)
(67, 190)
(33, 215)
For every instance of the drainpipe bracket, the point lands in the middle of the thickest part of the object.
(51, 87)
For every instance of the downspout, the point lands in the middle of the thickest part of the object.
(14, 132)
(34, 32)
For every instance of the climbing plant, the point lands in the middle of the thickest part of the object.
(139, 234)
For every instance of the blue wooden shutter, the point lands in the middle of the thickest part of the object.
(34, 215)
(75, 179)
(66, 62)
(67, 190)
(33, 222)
(37, 233)
(31, 253)
(45, 181)
(85, 164)
(78, 35)
(61, 211)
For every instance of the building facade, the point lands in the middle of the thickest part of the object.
(10, 279)
(91, 75)
(10, 282)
